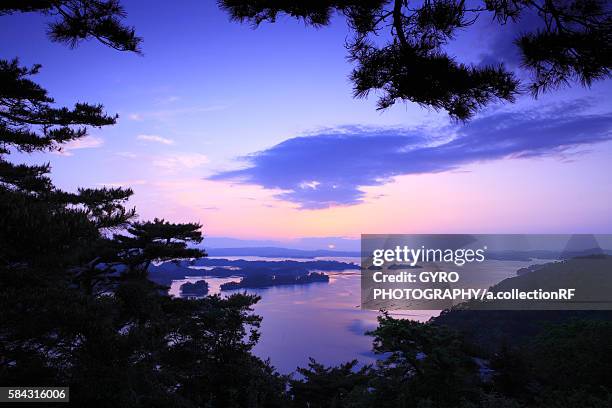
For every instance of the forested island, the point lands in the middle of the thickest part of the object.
(198, 288)
(265, 280)
(285, 270)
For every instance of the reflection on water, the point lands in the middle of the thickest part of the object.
(214, 284)
(319, 320)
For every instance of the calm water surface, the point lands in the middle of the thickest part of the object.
(320, 320)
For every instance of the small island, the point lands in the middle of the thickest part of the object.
(166, 272)
(198, 288)
(265, 280)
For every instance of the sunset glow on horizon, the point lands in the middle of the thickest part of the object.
(227, 144)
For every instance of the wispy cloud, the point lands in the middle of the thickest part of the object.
(168, 99)
(87, 142)
(125, 183)
(329, 168)
(127, 155)
(155, 139)
(166, 114)
(180, 160)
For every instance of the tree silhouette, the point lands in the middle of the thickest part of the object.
(431, 357)
(398, 46)
(77, 306)
(343, 386)
(39, 219)
(78, 20)
(158, 241)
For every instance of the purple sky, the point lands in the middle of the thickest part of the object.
(254, 133)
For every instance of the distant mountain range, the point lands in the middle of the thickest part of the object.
(507, 247)
(276, 252)
(279, 252)
(307, 243)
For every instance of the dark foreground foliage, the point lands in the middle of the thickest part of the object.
(425, 365)
(399, 47)
(78, 308)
